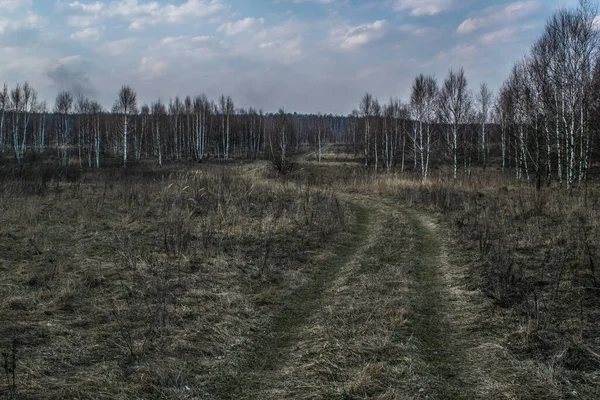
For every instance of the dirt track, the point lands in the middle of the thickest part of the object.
(386, 317)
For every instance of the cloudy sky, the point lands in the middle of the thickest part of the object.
(303, 55)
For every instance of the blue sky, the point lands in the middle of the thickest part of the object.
(303, 55)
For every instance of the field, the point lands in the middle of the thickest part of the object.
(219, 281)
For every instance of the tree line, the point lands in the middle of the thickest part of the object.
(79, 130)
(542, 124)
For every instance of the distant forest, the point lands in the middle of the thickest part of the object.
(542, 125)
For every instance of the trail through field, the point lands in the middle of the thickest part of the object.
(386, 318)
(313, 154)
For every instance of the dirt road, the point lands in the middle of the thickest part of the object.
(385, 317)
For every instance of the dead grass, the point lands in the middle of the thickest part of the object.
(140, 285)
(352, 345)
(153, 283)
(534, 254)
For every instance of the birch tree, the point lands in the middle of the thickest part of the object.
(158, 115)
(40, 140)
(126, 107)
(390, 133)
(502, 110)
(95, 110)
(29, 107)
(145, 122)
(62, 107)
(16, 96)
(4, 106)
(82, 109)
(376, 124)
(484, 100)
(454, 105)
(423, 108)
(366, 111)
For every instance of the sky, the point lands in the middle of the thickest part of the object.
(306, 56)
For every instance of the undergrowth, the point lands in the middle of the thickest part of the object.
(138, 284)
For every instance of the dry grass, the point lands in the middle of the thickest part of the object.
(163, 283)
(140, 285)
(353, 346)
(534, 254)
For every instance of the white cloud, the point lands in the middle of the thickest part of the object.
(461, 52)
(286, 51)
(187, 49)
(280, 43)
(92, 33)
(496, 15)
(12, 5)
(91, 8)
(70, 60)
(28, 21)
(118, 47)
(140, 13)
(315, 1)
(151, 66)
(414, 29)
(423, 7)
(504, 35)
(351, 37)
(192, 9)
(176, 55)
(234, 28)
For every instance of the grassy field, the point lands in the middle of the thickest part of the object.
(142, 285)
(230, 281)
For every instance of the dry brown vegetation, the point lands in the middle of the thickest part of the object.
(230, 281)
(139, 285)
(533, 253)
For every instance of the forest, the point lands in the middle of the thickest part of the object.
(442, 246)
(540, 124)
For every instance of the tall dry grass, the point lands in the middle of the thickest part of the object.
(534, 253)
(139, 284)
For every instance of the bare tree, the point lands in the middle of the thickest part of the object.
(4, 106)
(393, 114)
(484, 99)
(29, 106)
(366, 111)
(417, 106)
(455, 106)
(175, 110)
(376, 131)
(390, 133)
(230, 109)
(423, 107)
(226, 109)
(126, 106)
(62, 107)
(82, 110)
(95, 110)
(199, 126)
(139, 139)
(502, 111)
(16, 96)
(567, 51)
(281, 134)
(41, 110)
(158, 114)
(520, 91)
(319, 129)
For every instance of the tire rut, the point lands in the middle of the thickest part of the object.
(380, 319)
(252, 372)
(434, 322)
